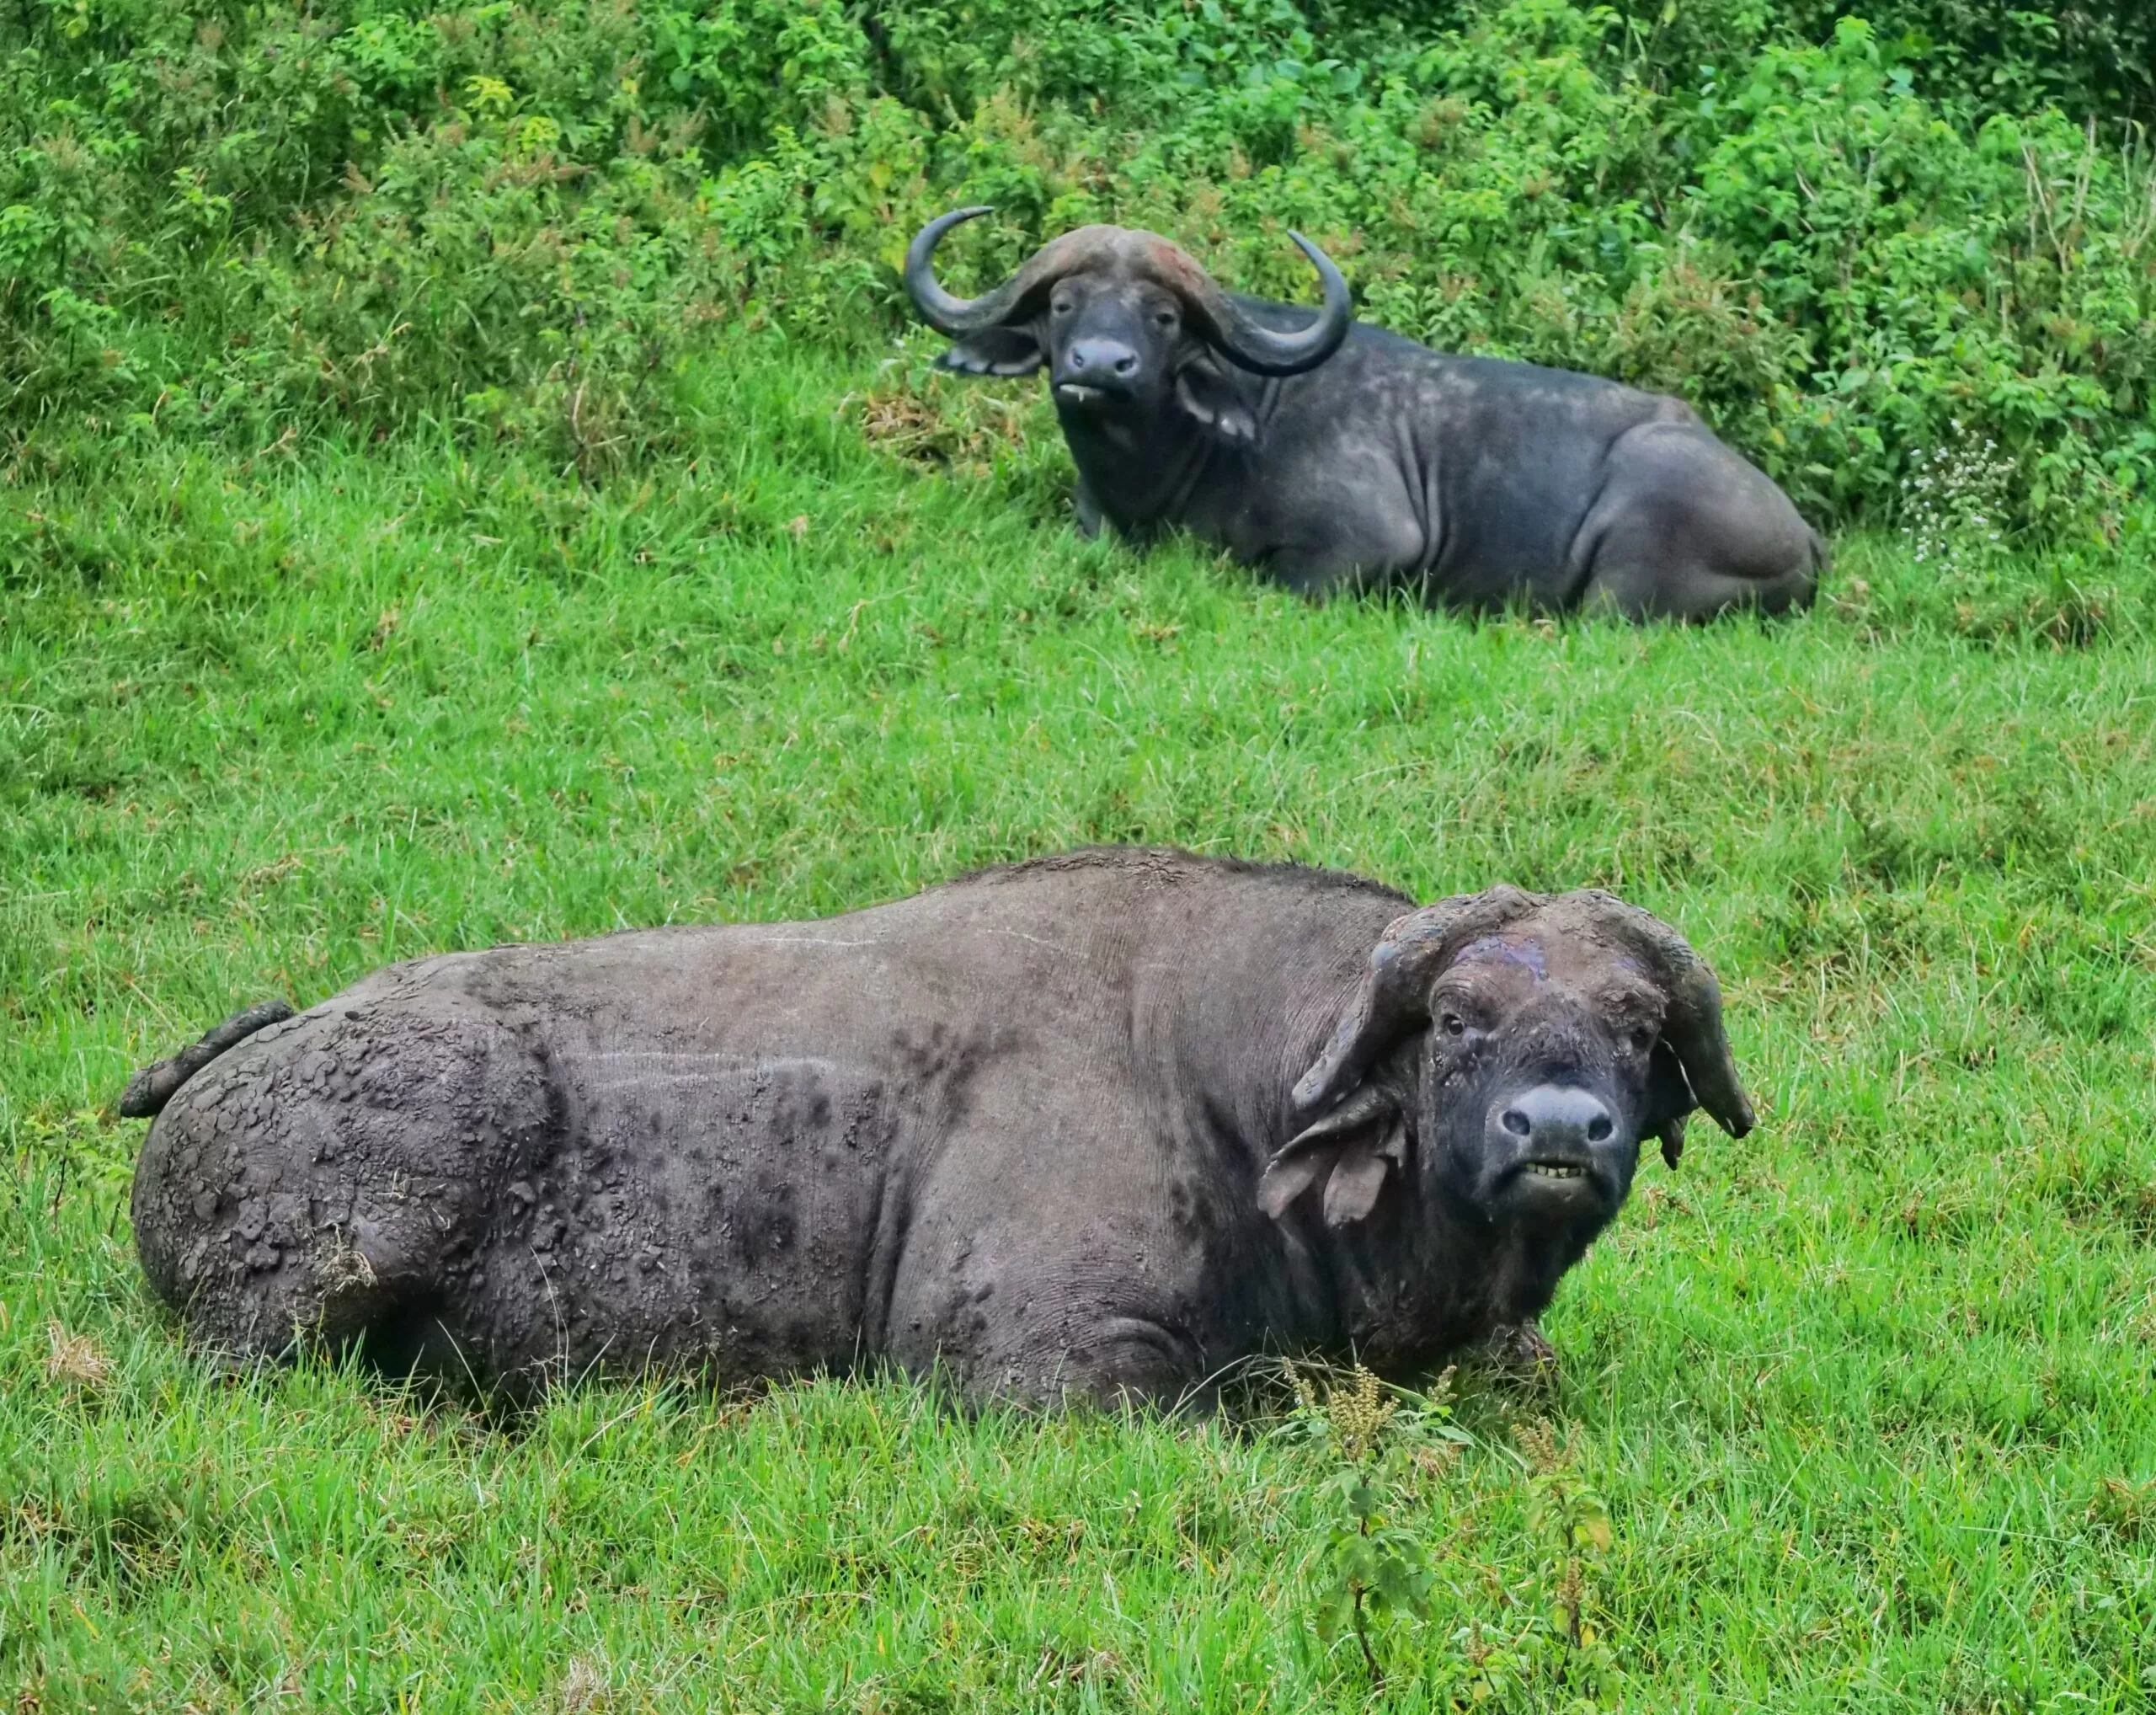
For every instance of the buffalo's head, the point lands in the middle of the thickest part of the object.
(1125, 322)
(1502, 1060)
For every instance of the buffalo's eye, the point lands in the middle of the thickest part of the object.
(1455, 1024)
(1165, 318)
(1062, 306)
(1639, 1039)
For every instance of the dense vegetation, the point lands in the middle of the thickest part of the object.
(1861, 247)
(457, 482)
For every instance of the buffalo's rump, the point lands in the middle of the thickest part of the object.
(1478, 471)
(532, 1155)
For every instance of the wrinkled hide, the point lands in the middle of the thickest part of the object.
(1100, 1124)
(1339, 456)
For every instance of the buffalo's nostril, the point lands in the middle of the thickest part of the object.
(1555, 1122)
(1100, 360)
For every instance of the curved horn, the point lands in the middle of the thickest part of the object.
(1017, 297)
(1263, 350)
(1394, 997)
(955, 316)
(1694, 1027)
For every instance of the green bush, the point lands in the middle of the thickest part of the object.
(1856, 249)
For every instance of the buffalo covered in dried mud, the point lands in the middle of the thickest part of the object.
(1095, 1126)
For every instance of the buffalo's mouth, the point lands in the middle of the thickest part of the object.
(1554, 1182)
(1552, 1170)
(1076, 392)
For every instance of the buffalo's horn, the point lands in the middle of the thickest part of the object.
(1394, 997)
(1076, 250)
(1693, 1026)
(1231, 328)
(955, 316)
(1263, 350)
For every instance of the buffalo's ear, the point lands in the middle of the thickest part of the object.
(1351, 1153)
(1669, 1100)
(1209, 395)
(995, 351)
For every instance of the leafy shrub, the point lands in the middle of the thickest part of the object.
(1839, 242)
(1378, 1458)
(1377, 1567)
(2091, 59)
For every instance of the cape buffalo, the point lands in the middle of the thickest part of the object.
(1095, 1126)
(1336, 454)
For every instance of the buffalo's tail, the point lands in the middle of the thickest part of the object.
(150, 1088)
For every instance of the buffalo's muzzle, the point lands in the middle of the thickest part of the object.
(1090, 370)
(1555, 1142)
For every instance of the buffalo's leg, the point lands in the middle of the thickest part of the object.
(1089, 515)
(1358, 536)
(1518, 1352)
(1045, 1311)
(1685, 529)
(1111, 1361)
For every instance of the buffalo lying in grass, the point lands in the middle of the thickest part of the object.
(1098, 1126)
(1330, 453)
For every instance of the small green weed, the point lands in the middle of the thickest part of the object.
(1376, 1568)
(1570, 1526)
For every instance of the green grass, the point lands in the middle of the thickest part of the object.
(1869, 1395)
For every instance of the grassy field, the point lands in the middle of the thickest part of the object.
(1869, 1396)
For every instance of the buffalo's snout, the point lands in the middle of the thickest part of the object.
(1095, 365)
(1556, 1140)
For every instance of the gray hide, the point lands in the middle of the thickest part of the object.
(1335, 455)
(1098, 1125)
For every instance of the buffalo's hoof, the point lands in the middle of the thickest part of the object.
(1517, 1352)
